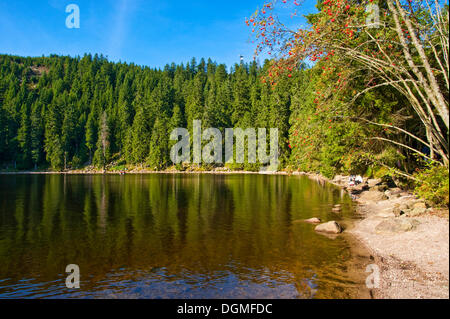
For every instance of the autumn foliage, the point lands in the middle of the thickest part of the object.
(395, 50)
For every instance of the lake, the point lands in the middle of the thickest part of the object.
(174, 236)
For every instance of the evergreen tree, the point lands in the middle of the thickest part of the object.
(158, 157)
(91, 135)
(140, 137)
(53, 143)
(24, 137)
(37, 134)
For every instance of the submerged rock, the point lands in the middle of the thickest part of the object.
(313, 220)
(330, 227)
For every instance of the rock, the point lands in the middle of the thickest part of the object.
(373, 196)
(419, 205)
(313, 220)
(373, 182)
(400, 209)
(396, 225)
(393, 192)
(358, 189)
(416, 212)
(380, 188)
(396, 191)
(404, 206)
(330, 227)
(397, 211)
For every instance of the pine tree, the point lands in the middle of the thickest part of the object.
(24, 137)
(53, 143)
(37, 134)
(158, 157)
(140, 137)
(91, 134)
(69, 136)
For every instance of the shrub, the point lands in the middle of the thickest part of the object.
(432, 185)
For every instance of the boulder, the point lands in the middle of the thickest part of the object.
(419, 205)
(400, 209)
(396, 225)
(397, 211)
(330, 227)
(404, 206)
(416, 211)
(313, 220)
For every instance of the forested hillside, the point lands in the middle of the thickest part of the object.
(65, 113)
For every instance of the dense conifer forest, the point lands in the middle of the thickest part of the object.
(62, 112)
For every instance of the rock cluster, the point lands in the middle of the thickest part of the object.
(411, 208)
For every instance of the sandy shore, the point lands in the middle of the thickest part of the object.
(413, 260)
(413, 264)
(411, 249)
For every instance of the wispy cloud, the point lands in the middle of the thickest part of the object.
(122, 13)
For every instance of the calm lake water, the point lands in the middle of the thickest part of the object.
(173, 236)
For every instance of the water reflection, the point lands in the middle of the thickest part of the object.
(171, 236)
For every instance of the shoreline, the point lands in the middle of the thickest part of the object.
(408, 240)
(410, 247)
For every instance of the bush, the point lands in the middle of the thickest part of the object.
(432, 185)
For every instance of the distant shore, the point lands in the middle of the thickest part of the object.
(144, 171)
(411, 248)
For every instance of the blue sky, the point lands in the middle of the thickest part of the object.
(145, 32)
